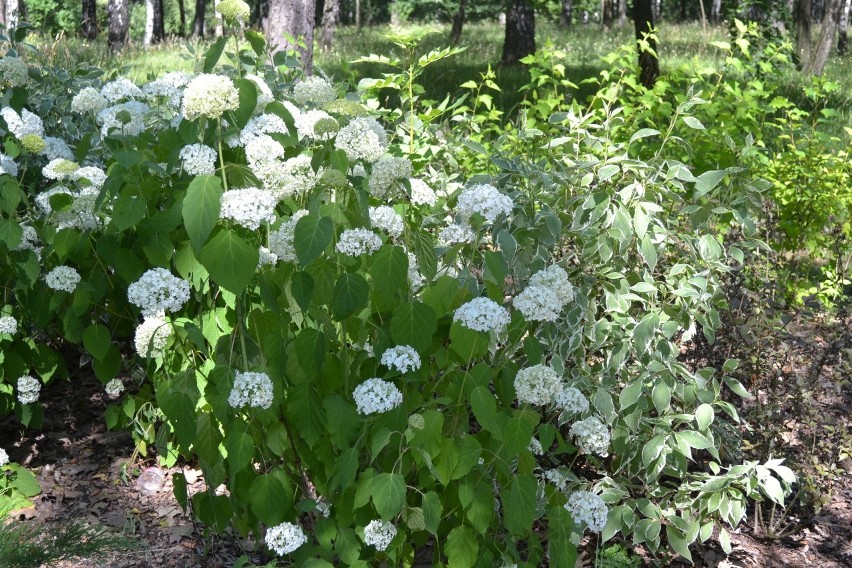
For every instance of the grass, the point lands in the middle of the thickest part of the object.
(680, 45)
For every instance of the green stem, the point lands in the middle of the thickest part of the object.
(222, 158)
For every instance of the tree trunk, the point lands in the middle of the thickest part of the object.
(622, 13)
(294, 18)
(198, 21)
(358, 15)
(830, 21)
(520, 32)
(804, 9)
(458, 23)
(643, 22)
(566, 13)
(153, 22)
(3, 13)
(220, 28)
(119, 23)
(182, 24)
(330, 18)
(843, 29)
(89, 22)
(716, 11)
(13, 13)
(606, 14)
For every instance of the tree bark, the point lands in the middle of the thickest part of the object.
(606, 14)
(643, 22)
(804, 10)
(358, 15)
(220, 27)
(182, 24)
(295, 18)
(716, 11)
(830, 23)
(13, 13)
(198, 21)
(154, 31)
(330, 19)
(3, 12)
(843, 29)
(520, 32)
(119, 23)
(622, 13)
(458, 24)
(566, 14)
(89, 21)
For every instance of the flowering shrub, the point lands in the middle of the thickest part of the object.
(372, 358)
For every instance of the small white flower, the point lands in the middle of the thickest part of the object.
(23, 124)
(422, 194)
(403, 358)
(59, 169)
(555, 278)
(264, 93)
(249, 207)
(198, 159)
(375, 396)
(121, 88)
(486, 200)
(316, 125)
(8, 166)
(125, 119)
(557, 478)
(96, 177)
(386, 219)
(362, 139)
(114, 388)
(56, 148)
(63, 278)
(323, 507)
(13, 72)
(313, 90)
(385, 172)
(416, 422)
(158, 291)
(538, 303)
(4, 457)
(251, 389)
(285, 538)
(281, 240)
(28, 389)
(456, 234)
(8, 324)
(260, 125)
(379, 534)
(151, 336)
(572, 401)
(209, 96)
(355, 242)
(88, 100)
(482, 314)
(537, 385)
(587, 508)
(535, 447)
(592, 436)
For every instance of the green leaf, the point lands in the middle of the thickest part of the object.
(97, 340)
(707, 181)
(248, 101)
(240, 447)
(201, 208)
(214, 52)
(180, 410)
(461, 548)
(630, 394)
(424, 251)
(269, 499)
(643, 133)
(207, 438)
(520, 499)
(181, 495)
(662, 397)
(653, 448)
(484, 407)
(389, 271)
(468, 343)
(257, 42)
(312, 236)
(302, 288)
(212, 510)
(413, 324)
(517, 434)
(695, 439)
(432, 510)
(310, 347)
(24, 482)
(11, 233)
(351, 295)
(678, 542)
(388, 494)
(230, 260)
(704, 416)
(127, 211)
(693, 122)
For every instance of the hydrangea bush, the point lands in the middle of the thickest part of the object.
(372, 358)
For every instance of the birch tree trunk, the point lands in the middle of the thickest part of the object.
(330, 18)
(566, 14)
(13, 12)
(89, 22)
(295, 18)
(198, 21)
(220, 28)
(119, 23)
(843, 29)
(804, 10)
(830, 23)
(154, 28)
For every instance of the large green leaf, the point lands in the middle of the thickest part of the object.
(388, 494)
(484, 407)
(212, 510)
(97, 340)
(240, 448)
(213, 53)
(207, 438)
(248, 101)
(351, 295)
(201, 208)
(519, 498)
(269, 499)
(180, 410)
(11, 233)
(311, 237)
(389, 269)
(517, 434)
(432, 509)
(413, 324)
(462, 547)
(230, 260)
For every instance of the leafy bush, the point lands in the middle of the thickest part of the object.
(371, 350)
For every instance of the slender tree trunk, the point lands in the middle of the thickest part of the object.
(843, 29)
(566, 13)
(198, 21)
(622, 13)
(606, 14)
(458, 24)
(159, 21)
(220, 28)
(154, 31)
(716, 11)
(643, 22)
(804, 10)
(182, 24)
(119, 23)
(295, 18)
(358, 15)
(520, 32)
(3, 12)
(89, 21)
(13, 13)
(830, 23)
(330, 19)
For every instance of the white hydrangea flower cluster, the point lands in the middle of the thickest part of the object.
(251, 389)
(13, 73)
(126, 119)
(95, 176)
(571, 400)
(28, 389)
(56, 148)
(355, 242)
(538, 303)
(8, 165)
(23, 124)
(119, 89)
(456, 234)
(265, 257)
(379, 534)
(264, 93)
(535, 447)
(114, 387)
(482, 314)
(414, 277)
(323, 507)
(316, 125)
(249, 207)
(362, 139)
(555, 279)
(170, 86)
(233, 11)
(209, 96)
(385, 218)
(486, 200)
(4, 457)
(313, 90)
(59, 169)
(385, 172)
(151, 336)
(416, 421)
(587, 508)
(556, 478)
(63, 278)
(537, 385)
(81, 214)
(375, 396)
(281, 240)
(88, 100)
(297, 176)
(198, 159)
(591, 435)
(403, 358)
(285, 538)
(30, 240)
(421, 193)
(260, 125)
(8, 324)
(158, 291)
